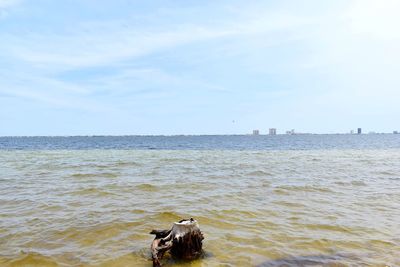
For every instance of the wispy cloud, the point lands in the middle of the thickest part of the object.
(5, 5)
(51, 92)
(8, 3)
(98, 43)
(376, 19)
(232, 58)
(90, 49)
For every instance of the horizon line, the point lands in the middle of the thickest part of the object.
(177, 135)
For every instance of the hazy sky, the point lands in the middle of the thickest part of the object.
(198, 67)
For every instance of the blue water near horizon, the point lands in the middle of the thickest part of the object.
(205, 142)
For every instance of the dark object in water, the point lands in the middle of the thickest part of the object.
(183, 241)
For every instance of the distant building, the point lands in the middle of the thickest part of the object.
(351, 132)
(256, 132)
(290, 132)
(359, 131)
(395, 132)
(272, 131)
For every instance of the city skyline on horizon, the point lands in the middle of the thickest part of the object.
(253, 132)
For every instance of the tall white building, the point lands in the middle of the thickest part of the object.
(272, 131)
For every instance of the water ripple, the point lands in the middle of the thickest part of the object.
(256, 208)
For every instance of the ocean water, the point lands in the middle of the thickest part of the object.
(206, 142)
(330, 200)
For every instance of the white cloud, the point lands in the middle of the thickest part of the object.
(348, 55)
(8, 3)
(378, 19)
(99, 48)
(5, 5)
(91, 45)
(49, 91)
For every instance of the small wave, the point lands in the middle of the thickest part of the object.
(173, 160)
(109, 174)
(31, 259)
(305, 188)
(85, 165)
(382, 243)
(126, 164)
(135, 258)
(280, 191)
(82, 175)
(388, 173)
(91, 175)
(352, 183)
(358, 183)
(138, 211)
(238, 214)
(259, 173)
(217, 222)
(289, 204)
(165, 216)
(92, 191)
(327, 227)
(147, 187)
(308, 260)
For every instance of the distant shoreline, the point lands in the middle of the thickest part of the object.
(182, 135)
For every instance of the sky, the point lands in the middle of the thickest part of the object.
(92, 67)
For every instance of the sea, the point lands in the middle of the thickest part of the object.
(284, 200)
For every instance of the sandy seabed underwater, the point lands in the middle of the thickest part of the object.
(256, 208)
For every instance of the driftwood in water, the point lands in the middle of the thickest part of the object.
(183, 241)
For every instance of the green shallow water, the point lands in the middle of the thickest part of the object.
(256, 208)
